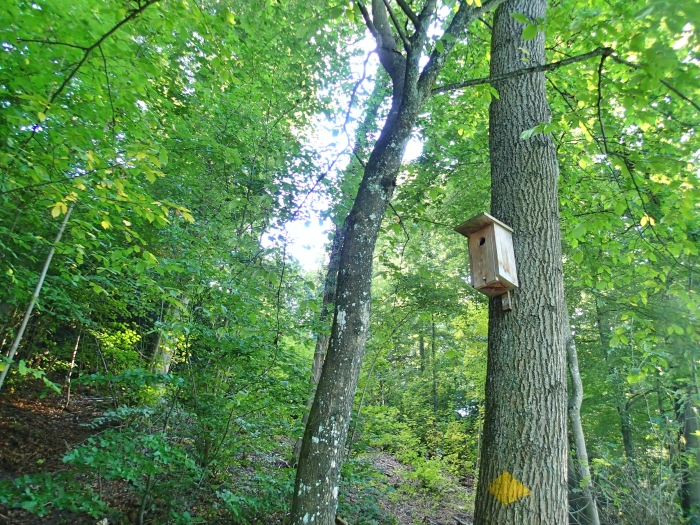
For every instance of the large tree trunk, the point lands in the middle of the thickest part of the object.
(318, 475)
(525, 429)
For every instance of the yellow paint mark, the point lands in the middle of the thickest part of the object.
(506, 489)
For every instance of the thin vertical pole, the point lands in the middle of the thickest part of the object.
(37, 291)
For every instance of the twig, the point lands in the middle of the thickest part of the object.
(51, 42)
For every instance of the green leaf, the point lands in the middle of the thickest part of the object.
(525, 135)
(579, 231)
(519, 17)
(439, 46)
(530, 32)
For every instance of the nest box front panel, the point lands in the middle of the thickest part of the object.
(483, 257)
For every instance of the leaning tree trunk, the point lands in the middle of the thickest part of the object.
(323, 337)
(318, 475)
(523, 474)
(350, 180)
(35, 295)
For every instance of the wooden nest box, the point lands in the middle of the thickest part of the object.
(491, 256)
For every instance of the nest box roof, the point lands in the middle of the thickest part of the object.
(479, 222)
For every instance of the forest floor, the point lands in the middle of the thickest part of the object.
(406, 501)
(35, 433)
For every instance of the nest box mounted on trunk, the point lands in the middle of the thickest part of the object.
(491, 256)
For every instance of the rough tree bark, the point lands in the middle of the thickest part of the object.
(523, 473)
(318, 475)
(322, 339)
(348, 189)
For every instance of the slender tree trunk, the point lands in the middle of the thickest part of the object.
(626, 430)
(433, 363)
(690, 500)
(583, 471)
(523, 474)
(70, 370)
(577, 501)
(350, 181)
(35, 296)
(620, 397)
(323, 337)
(163, 354)
(421, 351)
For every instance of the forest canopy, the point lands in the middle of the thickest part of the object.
(160, 345)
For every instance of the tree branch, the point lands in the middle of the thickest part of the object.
(600, 52)
(462, 19)
(74, 71)
(368, 20)
(423, 18)
(51, 42)
(665, 83)
(109, 92)
(98, 43)
(397, 25)
(409, 13)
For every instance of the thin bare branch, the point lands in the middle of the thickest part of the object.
(461, 20)
(51, 42)
(600, 52)
(87, 51)
(109, 92)
(368, 19)
(98, 43)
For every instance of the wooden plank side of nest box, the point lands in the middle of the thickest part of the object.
(506, 257)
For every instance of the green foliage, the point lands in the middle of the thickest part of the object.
(42, 493)
(184, 134)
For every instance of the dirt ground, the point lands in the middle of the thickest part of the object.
(411, 505)
(35, 433)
